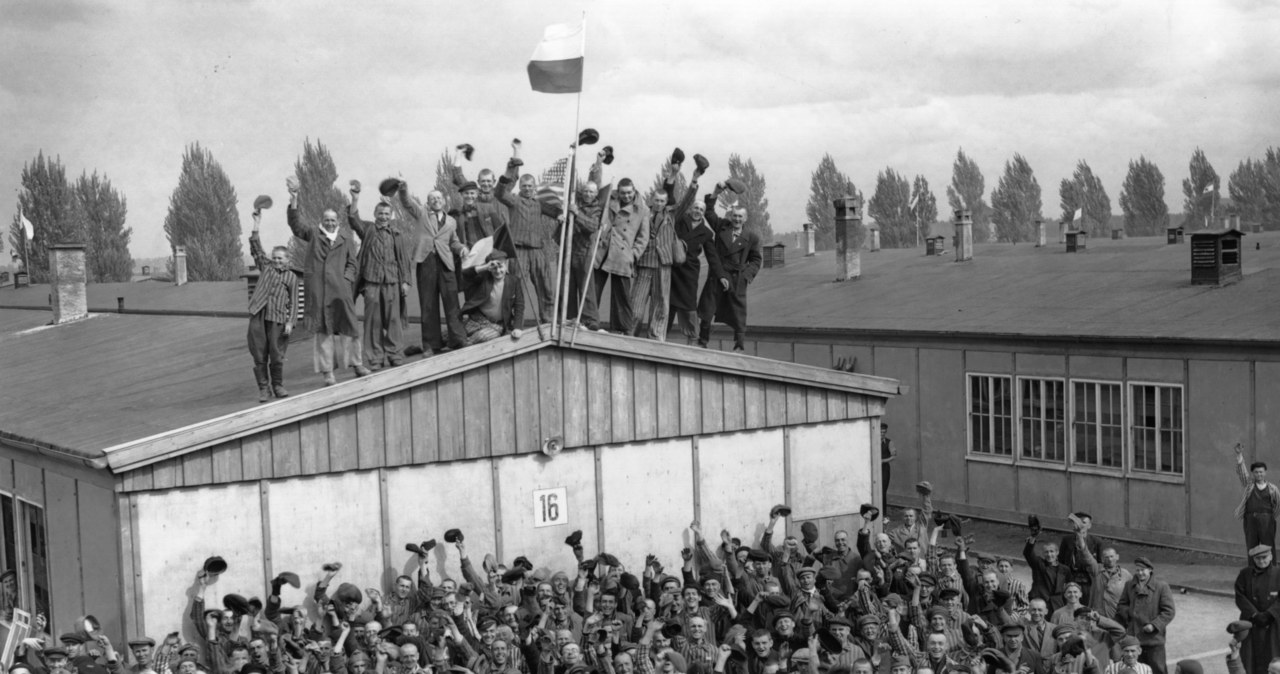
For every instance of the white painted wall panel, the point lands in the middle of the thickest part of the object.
(328, 518)
(519, 477)
(647, 500)
(831, 468)
(426, 501)
(741, 476)
(177, 531)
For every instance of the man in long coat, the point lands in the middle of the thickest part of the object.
(1256, 597)
(330, 266)
(724, 298)
(691, 228)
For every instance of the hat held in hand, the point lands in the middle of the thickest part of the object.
(924, 488)
(780, 510)
(574, 539)
(700, 163)
(608, 155)
(809, 532)
(389, 186)
(677, 156)
(869, 512)
(263, 202)
(467, 150)
(214, 566)
(736, 185)
(453, 536)
(588, 137)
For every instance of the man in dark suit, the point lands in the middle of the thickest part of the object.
(494, 303)
(691, 228)
(434, 237)
(724, 298)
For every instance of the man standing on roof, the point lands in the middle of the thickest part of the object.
(330, 266)
(1259, 506)
(725, 298)
(532, 227)
(482, 216)
(434, 240)
(273, 310)
(385, 273)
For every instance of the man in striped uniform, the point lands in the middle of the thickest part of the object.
(273, 310)
(651, 287)
(532, 226)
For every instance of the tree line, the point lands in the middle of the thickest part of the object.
(904, 210)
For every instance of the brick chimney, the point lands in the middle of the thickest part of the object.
(849, 236)
(180, 265)
(964, 235)
(67, 280)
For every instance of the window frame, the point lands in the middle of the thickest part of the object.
(1131, 425)
(969, 414)
(1066, 421)
(1123, 468)
(24, 555)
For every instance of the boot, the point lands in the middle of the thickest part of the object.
(264, 388)
(277, 380)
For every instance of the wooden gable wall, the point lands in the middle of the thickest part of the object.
(506, 408)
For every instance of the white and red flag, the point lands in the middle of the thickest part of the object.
(556, 66)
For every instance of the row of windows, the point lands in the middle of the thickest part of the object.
(1083, 423)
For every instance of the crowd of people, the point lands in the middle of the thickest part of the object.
(649, 255)
(905, 598)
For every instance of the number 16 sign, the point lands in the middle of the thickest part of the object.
(550, 507)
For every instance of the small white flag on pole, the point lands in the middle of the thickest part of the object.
(26, 225)
(1207, 189)
(1079, 214)
(911, 206)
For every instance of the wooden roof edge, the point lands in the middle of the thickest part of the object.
(68, 454)
(738, 364)
(142, 452)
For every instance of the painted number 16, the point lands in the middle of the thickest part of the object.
(550, 507)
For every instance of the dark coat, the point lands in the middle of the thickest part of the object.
(697, 238)
(476, 287)
(739, 262)
(330, 276)
(1258, 602)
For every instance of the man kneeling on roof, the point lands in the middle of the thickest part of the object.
(494, 303)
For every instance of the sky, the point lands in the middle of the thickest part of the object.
(123, 87)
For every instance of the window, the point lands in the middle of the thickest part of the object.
(24, 550)
(1156, 428)
(1097, 424)
(990, 415)
(1043, 419)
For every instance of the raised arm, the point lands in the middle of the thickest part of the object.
(1241, 470)
(260, 257)
(295, 222)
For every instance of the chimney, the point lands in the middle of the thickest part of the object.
(1039, 233)
(849, 236)
(875, 239)
(66, 262)
(964, 235)
(180, 265)
(810, 240)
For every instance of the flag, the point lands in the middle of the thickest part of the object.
(911, 206)
(556, 66)
(1079, 213)
(26, 226)
(1207, 189)
(551, 189)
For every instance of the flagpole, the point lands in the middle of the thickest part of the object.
(566, 235)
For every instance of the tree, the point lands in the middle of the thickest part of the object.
(106, 237)
(1248, 189)
(1084, 192)
(1270, 215)
(317, 192)
(1200, 191)
(1142, 200)
(924, 210)
(890, 207)
(681, 185)
(444, 181)
(826, 184)
(1015, 202)
(753, 199)
(50, 203)
(965, 191)
(203, 218)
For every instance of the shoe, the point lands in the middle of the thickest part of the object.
(264, 394)
(414, 350)
(329, 379)
(738, 348)
(396, 362)
(280, 391)
(361, 371)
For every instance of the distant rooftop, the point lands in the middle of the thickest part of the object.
(1128, 288)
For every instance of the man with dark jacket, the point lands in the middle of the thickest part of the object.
(385, 273)
(494, 303)
(330, 268)
(724, 298)
(1048, 577)
(692, 229)
(1146, 609)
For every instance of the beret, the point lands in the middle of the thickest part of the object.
(1128, 642)
(1143, 561)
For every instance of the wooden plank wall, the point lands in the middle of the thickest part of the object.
(508, 408)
